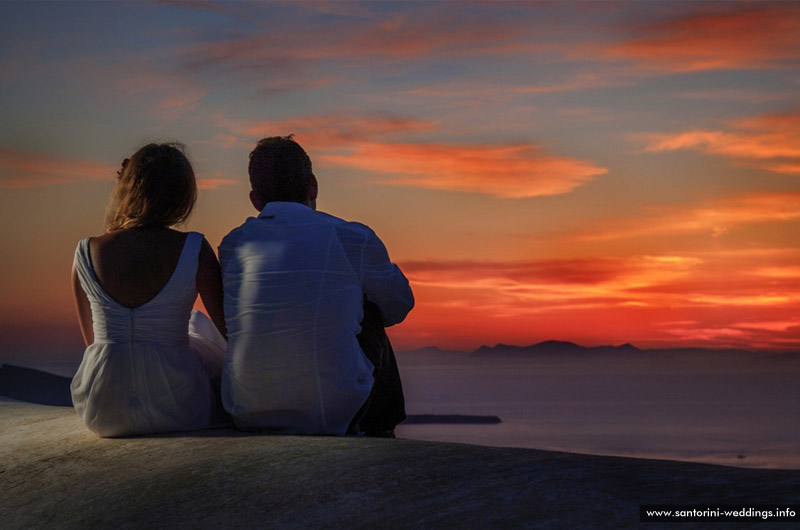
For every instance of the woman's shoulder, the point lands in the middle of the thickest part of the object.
(128, 244)
(107, 241)
(187, 235)
(183, 233)
(87, 243)
(128, 236)
(100, 238)
(194, 241)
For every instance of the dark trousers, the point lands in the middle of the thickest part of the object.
(385, 406)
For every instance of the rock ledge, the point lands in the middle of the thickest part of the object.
(55, 474)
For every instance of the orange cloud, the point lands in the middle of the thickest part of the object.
(724, 36)
(28, 170)
(328, 131)
(509, 171)
(493, 89)
(787, 168)
(395, 36)
(289, 57)
(763, 300)
(182, 100)
(714, 217)
(772, 141)
(172, 95)
(777, 271)
(756, 335)
(563, 282)
(771, 325)
(402, 36)
(214, 183)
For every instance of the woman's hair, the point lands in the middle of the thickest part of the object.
(156, 187)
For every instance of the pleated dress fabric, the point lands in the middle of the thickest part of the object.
(149, 369)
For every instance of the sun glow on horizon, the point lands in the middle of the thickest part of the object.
(538, 170)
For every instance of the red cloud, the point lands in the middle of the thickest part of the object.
(580, 277)
(710, 299)
(568, 271)
(753, 36)
(27, 170)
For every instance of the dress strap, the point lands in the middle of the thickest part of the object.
(186, 269)
(83, 266)
(191, 247)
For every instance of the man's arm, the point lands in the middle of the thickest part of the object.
(229, 270)
(383, 282)
(209, 286)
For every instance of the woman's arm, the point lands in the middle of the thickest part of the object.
(209, 285)
(83, 307)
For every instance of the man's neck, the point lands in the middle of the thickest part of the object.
(308, 202)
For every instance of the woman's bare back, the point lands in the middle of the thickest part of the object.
(133, 266)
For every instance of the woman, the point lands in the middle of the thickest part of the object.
(144, 370)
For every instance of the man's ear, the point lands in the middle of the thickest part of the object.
(257, 202)
(313, 189)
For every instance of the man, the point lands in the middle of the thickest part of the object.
(297, 283)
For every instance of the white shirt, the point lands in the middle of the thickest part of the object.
(294, 281)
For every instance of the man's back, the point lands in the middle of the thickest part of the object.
(294, 282)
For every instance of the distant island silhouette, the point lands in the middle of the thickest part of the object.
(555, 348)
(38, 386)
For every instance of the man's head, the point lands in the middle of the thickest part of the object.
(280, 170)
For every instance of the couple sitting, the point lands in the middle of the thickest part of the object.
(301, 295)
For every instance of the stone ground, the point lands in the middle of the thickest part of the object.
(56, 474)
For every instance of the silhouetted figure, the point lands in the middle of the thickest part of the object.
(144, 370)
(307, 296)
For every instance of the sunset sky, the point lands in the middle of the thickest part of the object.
(591, 171)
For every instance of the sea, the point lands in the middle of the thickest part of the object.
(722, 407)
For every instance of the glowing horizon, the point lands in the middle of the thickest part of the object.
(591, 172)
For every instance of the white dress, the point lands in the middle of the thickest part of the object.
(149, 369)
